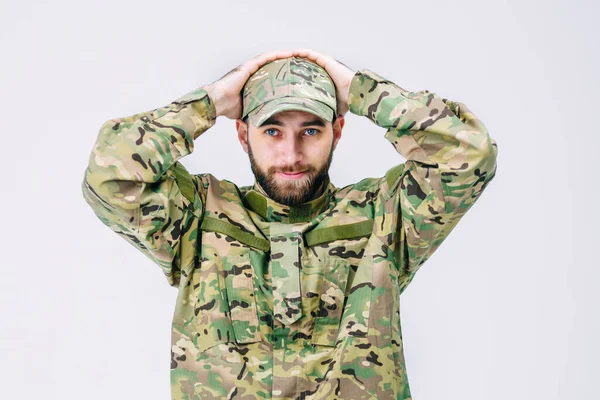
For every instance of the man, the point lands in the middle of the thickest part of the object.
(289, 289)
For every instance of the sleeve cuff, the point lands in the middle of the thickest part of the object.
(381, 100)
(199, 95)
(366, 90)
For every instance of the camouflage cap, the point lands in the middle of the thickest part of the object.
(285, 84)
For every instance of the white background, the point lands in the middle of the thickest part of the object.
(507, 308)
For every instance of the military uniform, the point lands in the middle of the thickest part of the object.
(290, 302)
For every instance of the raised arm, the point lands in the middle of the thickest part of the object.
(450, 159)
(134, 182)
(131, 180)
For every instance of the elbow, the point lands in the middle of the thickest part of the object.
(483, 155)
(485, 167)
(109, 205)
(91, 193)
(491, 153)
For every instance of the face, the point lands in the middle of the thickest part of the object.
(290, 154)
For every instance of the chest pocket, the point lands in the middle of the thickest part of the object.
(342, 249)
(225, 299)
(331, 302)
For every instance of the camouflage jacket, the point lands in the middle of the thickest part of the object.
(278, 302)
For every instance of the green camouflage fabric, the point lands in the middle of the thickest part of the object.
(288, 84)
(302, 302)
(286, 261)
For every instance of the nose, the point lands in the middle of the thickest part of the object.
(292, 150)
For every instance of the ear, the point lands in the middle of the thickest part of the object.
(338, 125)
(242, 130)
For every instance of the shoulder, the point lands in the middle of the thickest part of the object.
(210, 182)
(371, 188)
(366, 187)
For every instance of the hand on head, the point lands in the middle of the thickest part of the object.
(340, 74)
(225, 92)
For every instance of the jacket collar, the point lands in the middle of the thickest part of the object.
(257, 200)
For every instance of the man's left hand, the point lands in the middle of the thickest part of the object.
(340, 74)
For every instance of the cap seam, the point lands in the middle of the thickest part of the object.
(289, 65)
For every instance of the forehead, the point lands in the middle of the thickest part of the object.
(294, 117)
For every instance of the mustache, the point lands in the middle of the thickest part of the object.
(292, 169)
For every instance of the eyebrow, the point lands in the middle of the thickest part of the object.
(275, 121)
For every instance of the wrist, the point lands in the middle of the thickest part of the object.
(216, 97)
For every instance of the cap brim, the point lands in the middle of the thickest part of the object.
(260, 114)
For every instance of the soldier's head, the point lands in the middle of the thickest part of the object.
(289, 128)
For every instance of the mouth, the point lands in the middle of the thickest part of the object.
(292, 175)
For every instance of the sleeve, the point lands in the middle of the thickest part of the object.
(450, 159)
(136, 186)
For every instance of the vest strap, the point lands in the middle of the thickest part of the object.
(323, 235)
(184, 181)
(216, 225)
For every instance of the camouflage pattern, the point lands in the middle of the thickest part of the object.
(288, 84)
(302, 302)
(286, 260)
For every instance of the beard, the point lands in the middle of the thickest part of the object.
(292, 192)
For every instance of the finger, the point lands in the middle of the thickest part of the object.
(264, 57)
(285, 54)
(304, 52)
(267, 58)
(272, 57)
(275, 54)
(311, 54)
(255, 63)
(260, 58)
(322, 59)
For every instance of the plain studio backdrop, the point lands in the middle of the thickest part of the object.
(506, 308)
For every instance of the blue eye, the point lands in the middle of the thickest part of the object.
(313, 130)
(274, 131)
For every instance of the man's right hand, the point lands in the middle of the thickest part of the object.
(226, 92)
